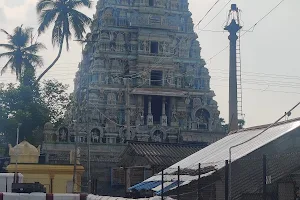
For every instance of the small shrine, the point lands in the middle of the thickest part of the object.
(25, 159)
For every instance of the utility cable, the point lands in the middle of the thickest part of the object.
(261, 90)
(251, 28)
(208, 12)
(217, 14)
(63, 71)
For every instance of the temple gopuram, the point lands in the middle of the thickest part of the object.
(141, 79)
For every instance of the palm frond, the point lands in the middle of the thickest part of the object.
(57, 33)
(4, 31)
(34, 60)
(82, 17)
(67, 33)
(44, 4)
(4, 68)
(21, 37)
(35, 48)
(7, 54)
(46, 18)
(21, 55)
(8, 46)
(18, 63)
(80, 3)
(77, 26)
(65, 16)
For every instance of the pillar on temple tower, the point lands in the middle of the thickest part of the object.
(149, 116)
(164, 118)
(174, 121)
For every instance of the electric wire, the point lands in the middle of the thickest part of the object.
(63, 71)
(250, 29)
(283, 82)
(217, 15)
(207, 12)
(263, 82)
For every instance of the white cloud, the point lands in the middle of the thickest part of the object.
(18, 11)
(2, 16)
(13, 3)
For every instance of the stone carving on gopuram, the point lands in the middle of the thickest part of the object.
(153, 45)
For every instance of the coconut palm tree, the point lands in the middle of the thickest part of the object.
(65, 16)
(21, 52)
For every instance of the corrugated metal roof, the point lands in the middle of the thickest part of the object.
(216, 153)
(166, 184)
(170, 182)
(162, 154)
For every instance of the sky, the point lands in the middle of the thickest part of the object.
(270, 62)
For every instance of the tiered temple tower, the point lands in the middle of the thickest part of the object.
(141, 66)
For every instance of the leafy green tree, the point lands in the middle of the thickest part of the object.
(65, 16)
(28, 103)
(56, 99)
(19, 104)
(21, 53)
(224, 125)
(241, 124)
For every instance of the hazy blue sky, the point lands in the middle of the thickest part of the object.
(270, 54)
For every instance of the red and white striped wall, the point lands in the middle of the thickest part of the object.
(94, 197)
(42, 196)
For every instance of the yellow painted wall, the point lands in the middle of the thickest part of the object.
(61, 175)
(55, 177)
(41, 178)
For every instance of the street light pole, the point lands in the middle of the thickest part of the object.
(17, 153)
(75, 159)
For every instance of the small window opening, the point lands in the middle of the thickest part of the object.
(151, 2)
(154, 47)
(94, 78)
(156, 78)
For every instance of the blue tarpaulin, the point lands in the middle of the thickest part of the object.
(153, 184)
(145, 185)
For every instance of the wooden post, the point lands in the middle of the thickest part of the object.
(226, 180)
(199, 177)
(51, 185)
(6, 184)
(178, 183)
(125, 180)
(162, 185)
(128, 178)
(96, 186)
(264, 177)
